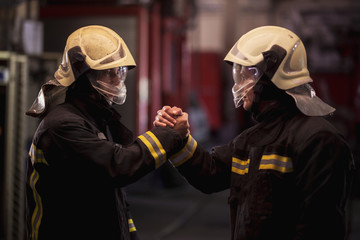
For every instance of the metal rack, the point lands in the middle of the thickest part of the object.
(13, 206)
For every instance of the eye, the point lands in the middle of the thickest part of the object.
(122, 72)
(236, 68)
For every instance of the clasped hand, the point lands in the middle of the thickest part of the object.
(175, 118)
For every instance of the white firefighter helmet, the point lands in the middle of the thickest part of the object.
(289, 73)
(91, 47)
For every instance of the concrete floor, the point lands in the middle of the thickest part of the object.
(182, 212)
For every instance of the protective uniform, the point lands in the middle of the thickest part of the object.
(81, 155)
(289, 175)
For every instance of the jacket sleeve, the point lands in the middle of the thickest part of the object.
(207, 172)
(323, 179)
(124, 164)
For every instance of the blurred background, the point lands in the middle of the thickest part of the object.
(179, 46)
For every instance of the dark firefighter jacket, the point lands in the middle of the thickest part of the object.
(288, 176)
(76, 170)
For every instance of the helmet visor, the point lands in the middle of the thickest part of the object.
(110, 83)
(245, 79)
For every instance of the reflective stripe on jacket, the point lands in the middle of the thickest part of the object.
(289, 178)
(76, 170)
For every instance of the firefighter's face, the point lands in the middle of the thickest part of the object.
(110, 83)
(248, 99)
(245, 79)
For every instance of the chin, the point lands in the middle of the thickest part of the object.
(247, 106)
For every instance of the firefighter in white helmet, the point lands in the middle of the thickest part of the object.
(81, 155)
(289, 175)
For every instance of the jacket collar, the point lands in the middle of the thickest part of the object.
(103, 116)
(271, 122)
(95, 111)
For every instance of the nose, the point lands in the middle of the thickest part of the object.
(115, 80)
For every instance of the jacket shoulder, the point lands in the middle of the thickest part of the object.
(309, 129)
(64, 113)
(60, 115)
(311, 125)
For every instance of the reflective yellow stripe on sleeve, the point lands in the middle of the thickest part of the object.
(132, 227)
(36, 156)
(155, 148)
(38, 211)
(185, 154)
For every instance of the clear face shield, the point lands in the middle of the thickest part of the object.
(110, 83)
(245, 79)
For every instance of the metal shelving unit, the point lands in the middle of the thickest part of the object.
(13, 206)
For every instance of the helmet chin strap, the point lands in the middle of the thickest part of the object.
(258, 90)
(100, 98)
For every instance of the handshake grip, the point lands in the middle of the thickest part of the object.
(175, 118)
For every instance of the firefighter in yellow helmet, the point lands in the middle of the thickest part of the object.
(289, 175)
(81, 154)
